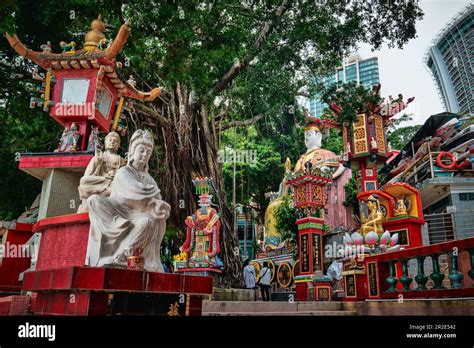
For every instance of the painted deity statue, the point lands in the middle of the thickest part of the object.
(203, 227)
(315, 156)
(101, 171)
(133, 218)
(69, 139)
(94, 140)
(373, 222)
(337, 214)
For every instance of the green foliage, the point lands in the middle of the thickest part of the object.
(333, 142)
(351, 191)
(195, 44)
(286, 216)
(399, 137)
(7, 18)
(353, 99)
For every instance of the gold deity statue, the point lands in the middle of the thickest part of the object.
(401, 208)
(375, 217)
(271, 236)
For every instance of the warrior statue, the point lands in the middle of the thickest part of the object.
(202, 237)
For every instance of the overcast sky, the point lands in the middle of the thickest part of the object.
(402, 71)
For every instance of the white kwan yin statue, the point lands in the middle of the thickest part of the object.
(133, 217)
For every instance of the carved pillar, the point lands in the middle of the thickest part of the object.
(436, 276)
(392, 279)
(420, 278)
(455, 276)
(404, 279)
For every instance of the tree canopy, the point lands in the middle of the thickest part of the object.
(221, 65)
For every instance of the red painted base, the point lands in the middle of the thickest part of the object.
(194, 270)
(14, 305)
(102, 291)
(322, 291)
(355, 286)
(114, 279)
(15, 259)
(409, 231)
(302, 293)
(63, 241)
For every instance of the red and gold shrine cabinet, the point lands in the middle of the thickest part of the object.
(309, 191)
(408, 225)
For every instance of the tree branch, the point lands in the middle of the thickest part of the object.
(242, 123)
(234, 71)
(303, 94)
(164, 122)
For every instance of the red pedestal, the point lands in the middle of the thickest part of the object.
(355, 285)
(63, 241)
(408, 229)
(310, 250)
(101, 291)
(322, 291)
(302, 291)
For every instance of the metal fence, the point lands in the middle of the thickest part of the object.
(443, 227)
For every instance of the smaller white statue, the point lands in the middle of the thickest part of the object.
(373, 144)
(101, 171)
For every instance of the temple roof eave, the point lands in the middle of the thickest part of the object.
(22, 50)
(118, 43)
(130, 92)
(43, 59)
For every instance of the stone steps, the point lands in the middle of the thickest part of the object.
(259, 308)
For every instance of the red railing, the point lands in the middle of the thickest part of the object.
(393, 276)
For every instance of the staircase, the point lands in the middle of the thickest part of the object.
(259, 308)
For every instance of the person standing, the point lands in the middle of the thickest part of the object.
(249, 275)
(264, 282)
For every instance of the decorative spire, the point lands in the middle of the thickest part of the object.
(203, 185)
(95, 35)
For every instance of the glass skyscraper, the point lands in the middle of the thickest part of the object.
(450, 61)
(354, 69)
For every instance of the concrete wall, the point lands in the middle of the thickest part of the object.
(59, 194)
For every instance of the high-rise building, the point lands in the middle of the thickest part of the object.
(450, 61)
(354, 69)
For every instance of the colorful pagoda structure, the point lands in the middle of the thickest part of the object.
(390, 218)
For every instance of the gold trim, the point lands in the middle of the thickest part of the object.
(284, 264)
